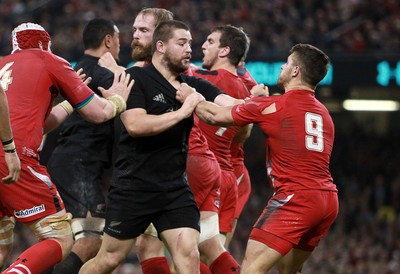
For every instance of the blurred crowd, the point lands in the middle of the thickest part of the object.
(336, 26)
(365, 164)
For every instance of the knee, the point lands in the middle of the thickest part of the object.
(56, 227)
(66, 243)
(5, 250)
(211, 249)
(7, 225)
(190, 251)
(112, 260)
(148, 247)
(87, 247)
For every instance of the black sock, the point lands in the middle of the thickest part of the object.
(70, 265)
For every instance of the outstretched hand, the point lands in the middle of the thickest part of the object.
(122, 86)
(83, 76)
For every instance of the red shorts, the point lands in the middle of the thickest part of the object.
(204, 175)
(296, 220)
(244, 187)
(32, 197)
(229, 197)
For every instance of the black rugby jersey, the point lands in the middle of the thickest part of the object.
(83, 139)
(156, 162)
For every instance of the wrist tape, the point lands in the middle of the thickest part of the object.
(66, 106)
(118, 103)
(9, 146)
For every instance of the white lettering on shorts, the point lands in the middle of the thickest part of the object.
(24, 213)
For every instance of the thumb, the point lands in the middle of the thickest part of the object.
(102, 91)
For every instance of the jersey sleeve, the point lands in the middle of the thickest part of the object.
(254, 110)
(65, 79)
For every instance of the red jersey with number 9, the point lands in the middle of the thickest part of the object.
(299, 138)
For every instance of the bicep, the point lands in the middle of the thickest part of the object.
(226, 100)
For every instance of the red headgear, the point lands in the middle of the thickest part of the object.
(28, 36)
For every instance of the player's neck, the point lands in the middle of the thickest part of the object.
(298, 87)
(226, 66)
(169, 75)
(94, 52)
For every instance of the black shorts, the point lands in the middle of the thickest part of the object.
(130, 212)
(80, 184)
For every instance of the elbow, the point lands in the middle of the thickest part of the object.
(134, 131)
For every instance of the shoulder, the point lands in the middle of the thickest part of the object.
(136, 72)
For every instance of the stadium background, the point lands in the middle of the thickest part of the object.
(362, 37)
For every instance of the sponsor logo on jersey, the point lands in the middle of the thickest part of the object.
(25, 213)
(159, 98)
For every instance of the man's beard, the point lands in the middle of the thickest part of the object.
(140, 52)
(175, 66)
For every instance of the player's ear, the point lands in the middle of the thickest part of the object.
(223, 52)
(160, 46)
(295, 71)
(107, 41)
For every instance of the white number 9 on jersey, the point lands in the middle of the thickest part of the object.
(314, 132)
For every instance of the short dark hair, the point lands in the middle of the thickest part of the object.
(234, 38)
(313, 62)
(95, 31)
(164, 31)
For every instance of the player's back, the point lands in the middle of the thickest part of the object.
(28, 86)
(32, 78)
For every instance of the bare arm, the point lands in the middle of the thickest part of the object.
(5, 126)
(99, 109)
(217, 113)
(138, 123)
(10, 154)
(226, 100)
(214, 114)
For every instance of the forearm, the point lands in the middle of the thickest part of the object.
(99, 109)
(143, 124)
(5, 127)
(226, 100)
(57, 115)
(214, 114)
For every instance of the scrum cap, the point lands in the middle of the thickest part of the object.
(28, 36)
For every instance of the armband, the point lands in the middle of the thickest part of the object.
(66, 106)
(118, 103)
(9, 146)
